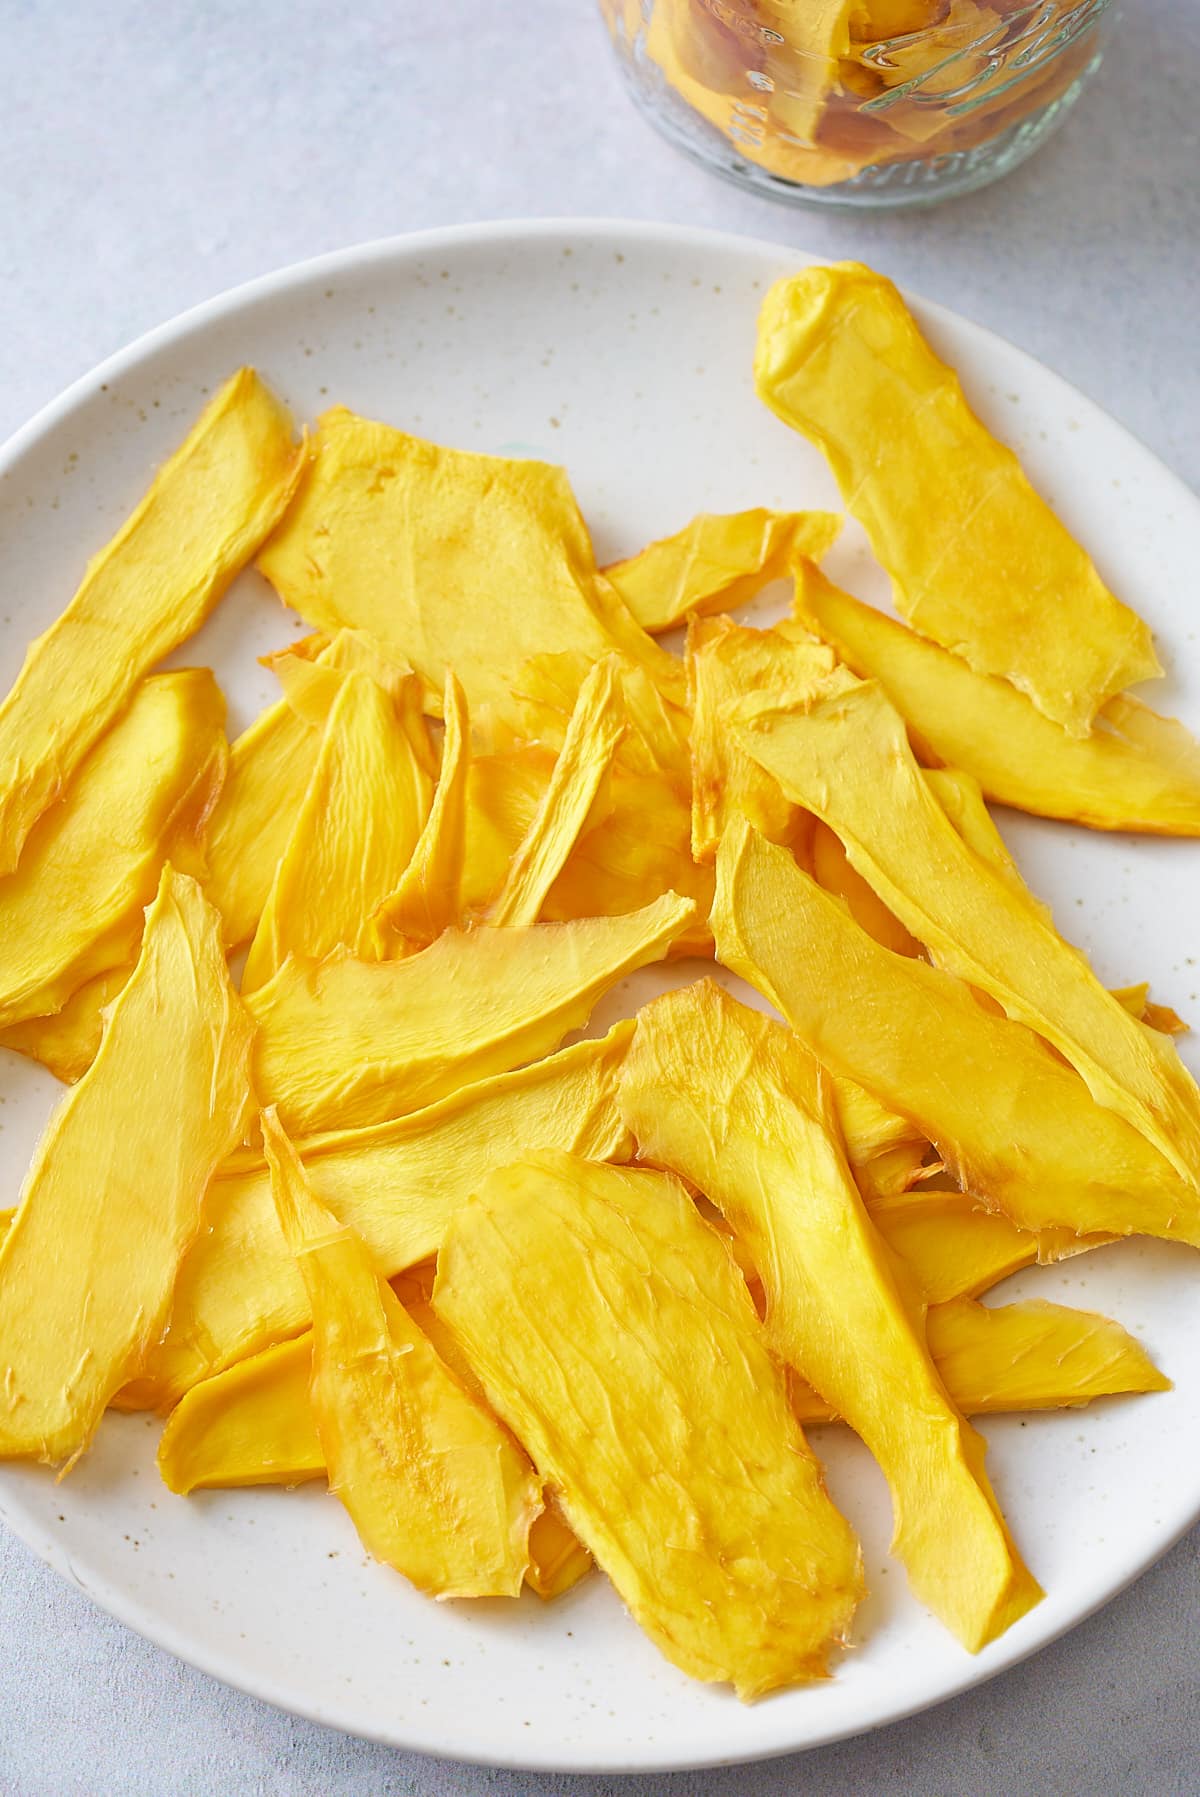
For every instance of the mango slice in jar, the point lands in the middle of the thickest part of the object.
(847, 758)
(113, 1199)
(453, 559)
(615, 1336)
(716, 562)
(209, 508)
(428, 898)
(988, 571)
(396, 1186)
(1136, 771)
(366, 804)
(1015, 1126)
(730, 1100)
(75, 906)
(348, 1043)
(433, 1484)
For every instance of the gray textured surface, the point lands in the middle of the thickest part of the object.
(151, 155)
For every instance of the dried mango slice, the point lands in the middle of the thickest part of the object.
(363, 813)
(456, 560)
(961, 797)
(428, 898)
(238, 1289)
(832, 869)
(66, 1043)
(989, 571)
(1136, 771)
(1015, 1125)
(349, 1043)
(563, 1277)
(433, 1484)
(596, 727)
(729, 1099)
(75, 906)
(154, 584)
(504, 790)
(1029, 1356)
(718, 561)
(952, 1247)
(847, 758)
(113, 1199)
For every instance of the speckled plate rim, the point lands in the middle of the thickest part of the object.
(109, 1595)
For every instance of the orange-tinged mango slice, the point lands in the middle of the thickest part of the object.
(847, 758)
(988, 571)
(718, 561)
(615, 1336)
(953, 1247)
(1135, 771)
(396, 1186)
(886, 1151)
(154, 584)
(348, 1043)
(67, 1041)
(832, 869)
(1015, 1125)
(366, 804)
(429, 896)
(75, 906)
(729, 1099)
(433, 1484)
(113, 1199)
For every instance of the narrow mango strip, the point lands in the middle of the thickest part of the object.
(66, 1042)
(953, 1247)
(75, 906)
(615, 1336)
(433, 1484)
(396, 1186)
(596, 727)
(428, 898)
(718, 561)
(989, 571)
(113, 1199)
(362, 816)
(1135, 771)
(847, 758)
(727, 1098)
(349, 1043)
(1015, 1126)
(208, 510)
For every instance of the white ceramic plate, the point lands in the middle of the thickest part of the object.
(623, 351)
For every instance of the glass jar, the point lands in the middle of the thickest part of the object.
(858, 102)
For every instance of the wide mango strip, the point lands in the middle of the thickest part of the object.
(433, 1484)
(367, 801)
(1136, 771)
(716, 562)
(595, 728)
(455, 560)
(847, 758)
(1015, 1125)
(347, 1043)
(727, 1098)
(988, 570)
(113, 1199)
(396, 1186)
(615, 1336)
(428, 898)
(1028, 1356)
(727, 663)
(207, 512)
(75, 906)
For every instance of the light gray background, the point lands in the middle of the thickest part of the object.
(153, 154)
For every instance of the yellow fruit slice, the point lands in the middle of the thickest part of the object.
(675, 1456)
(833, 870)
(952, 1247)
(350, 1043)
(886, 1151)
(847, 758)
(154, 584)
(362, 815)
(396, 1186)
(729, 1099)
(67, 1042)
(113, 1198)
(433, 1484)
(988, 571)
(75, 906)
(428, 898)
(1015, 1125)
(718, 561)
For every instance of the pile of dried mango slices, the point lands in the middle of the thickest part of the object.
(528, 1306)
